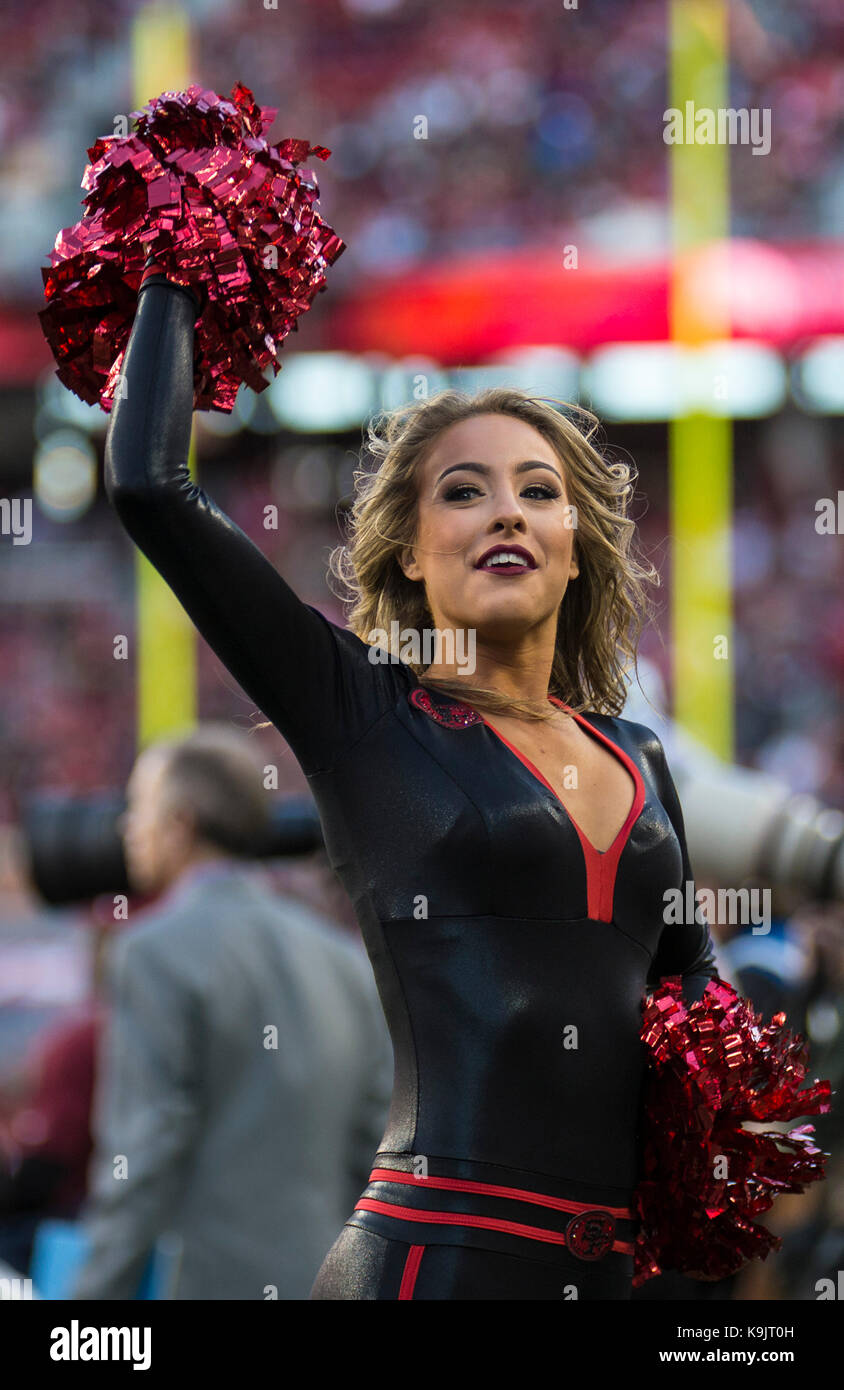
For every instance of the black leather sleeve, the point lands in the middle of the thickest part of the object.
(685, 948)
(311, 678)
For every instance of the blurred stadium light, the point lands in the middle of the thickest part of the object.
(323, 391)
(65, 471)
(661, 381)
(817, 377)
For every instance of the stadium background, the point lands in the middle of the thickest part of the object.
(545, 134)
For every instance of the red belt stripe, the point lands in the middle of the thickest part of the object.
(487, 1223)
(491, 1190)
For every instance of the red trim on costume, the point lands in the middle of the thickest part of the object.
(153, 269)
(601, 865)
(489, 1189)
(486, 1223)
(411, 1269)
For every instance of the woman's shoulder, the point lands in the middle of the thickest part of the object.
(628, 731)
(365, 654)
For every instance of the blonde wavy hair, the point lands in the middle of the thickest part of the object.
(604, 609)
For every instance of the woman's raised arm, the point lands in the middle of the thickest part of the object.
(310, 677)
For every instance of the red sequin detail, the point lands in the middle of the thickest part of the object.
(197, 185)
(451, 714)
(712, 1066)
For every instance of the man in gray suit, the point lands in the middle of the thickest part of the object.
(245, 1075)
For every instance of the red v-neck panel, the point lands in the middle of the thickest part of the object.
(601, 865)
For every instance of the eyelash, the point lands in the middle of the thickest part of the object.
(461, 487)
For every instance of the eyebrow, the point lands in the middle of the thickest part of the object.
(486, 469)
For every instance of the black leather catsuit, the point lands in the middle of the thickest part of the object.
(510, 956)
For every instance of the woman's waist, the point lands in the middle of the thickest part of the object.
(546, 1210)
(549, 1124)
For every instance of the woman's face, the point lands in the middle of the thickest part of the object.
(492, 482)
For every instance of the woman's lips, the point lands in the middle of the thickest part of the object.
(508, 568)
(515, 559)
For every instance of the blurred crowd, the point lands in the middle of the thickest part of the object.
(544, 122)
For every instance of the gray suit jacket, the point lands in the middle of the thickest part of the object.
(243, 1087)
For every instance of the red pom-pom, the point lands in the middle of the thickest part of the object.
(198, 186)
(712, 1066)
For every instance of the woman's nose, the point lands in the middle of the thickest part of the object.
(510, 512)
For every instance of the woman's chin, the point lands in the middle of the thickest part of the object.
(504, 616)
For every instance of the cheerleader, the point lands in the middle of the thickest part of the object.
(507, 840)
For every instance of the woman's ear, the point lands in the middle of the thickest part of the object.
(408, 563)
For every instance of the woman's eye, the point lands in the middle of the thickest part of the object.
(542, 489)
(453, 492)
(458, 492)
